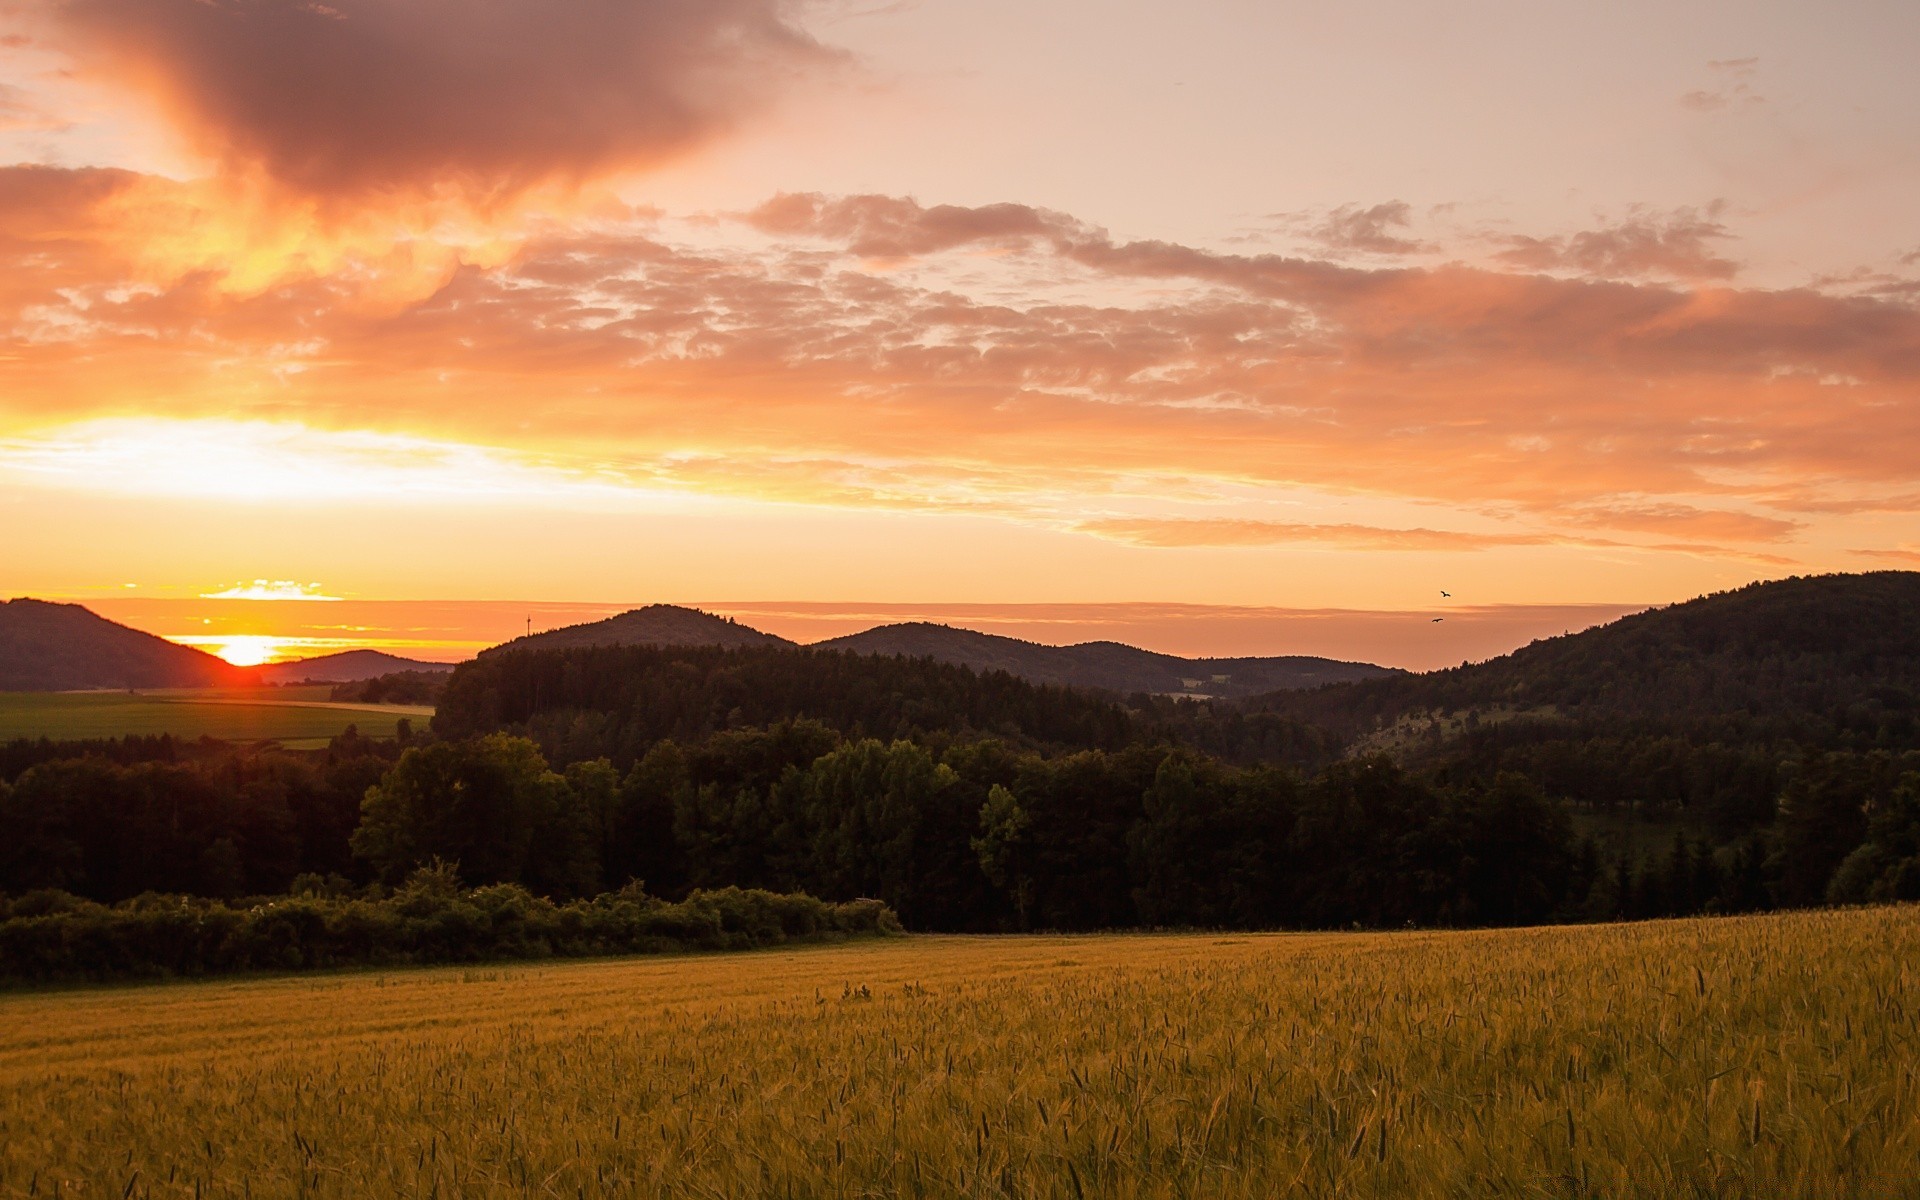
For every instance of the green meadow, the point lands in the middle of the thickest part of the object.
(296, 717)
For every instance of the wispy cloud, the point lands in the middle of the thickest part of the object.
(1677, 245)
(271, 589)
(874, 352)
(1731, 87)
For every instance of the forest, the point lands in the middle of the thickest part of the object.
(966, 802)
(1751, 751)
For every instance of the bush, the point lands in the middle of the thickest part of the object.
(50, 937)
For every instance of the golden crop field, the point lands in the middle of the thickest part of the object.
(1764, 1057)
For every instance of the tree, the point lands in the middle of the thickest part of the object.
(1520, 853)
(490, 805)
(1002, 848)
(1823, 819)
(1179, 848)
(1887, 865)
(865, 807)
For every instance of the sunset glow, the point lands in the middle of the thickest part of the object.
(848, 304)
(246, 651)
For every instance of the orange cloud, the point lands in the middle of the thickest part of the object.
(1688, 521)
(1131, 390)
(1229, 532)
(353, 99)
(1676, 245)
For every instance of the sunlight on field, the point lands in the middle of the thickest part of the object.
(1762, 1057)
(296, 717)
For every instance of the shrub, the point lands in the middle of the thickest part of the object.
(50, 936)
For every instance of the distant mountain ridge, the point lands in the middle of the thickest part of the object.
(1111, 666)
(348, 666)
(1106, 665)
(49, 647)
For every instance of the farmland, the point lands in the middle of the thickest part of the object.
(1757, 1056)
(297, 717)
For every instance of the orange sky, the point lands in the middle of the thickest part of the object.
(956, 303)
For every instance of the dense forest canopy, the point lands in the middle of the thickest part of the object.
(1738, 753)
(1820, 658)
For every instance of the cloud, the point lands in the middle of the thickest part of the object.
(1060, 378)
(1232, 532)
(355, 98)
(19, 112)
(1675, 245)
(1684, 520)
(1368, 230)
(897, 227)
(271, 589)
(1731, 87)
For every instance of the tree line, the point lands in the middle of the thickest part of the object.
(980, 802)
(953, 834)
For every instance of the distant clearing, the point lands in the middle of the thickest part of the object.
(298, 717)
(1746, 1057)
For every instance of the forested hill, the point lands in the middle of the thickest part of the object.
(1817, 652)
(654, 625)
(617, 701)
(48, 647)
(348, 666)
(1109, 666)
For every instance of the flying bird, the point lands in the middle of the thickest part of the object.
(1437, 620)
(1445, 592)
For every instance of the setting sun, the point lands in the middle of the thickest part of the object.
(249, 651)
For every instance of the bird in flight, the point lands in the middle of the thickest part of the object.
(1445, 592)
(1437, 620)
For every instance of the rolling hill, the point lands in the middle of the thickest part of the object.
(654, 625)
(350, 666)
(49, 647)
(1811, 649)
(1107, 665)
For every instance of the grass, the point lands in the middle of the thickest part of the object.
(1759, 1057)
(297, 717)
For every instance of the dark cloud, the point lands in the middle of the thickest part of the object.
(1677, 245)
(486, 97)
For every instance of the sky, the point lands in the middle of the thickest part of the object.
(1219, 307)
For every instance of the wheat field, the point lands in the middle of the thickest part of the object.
(1764, 1056)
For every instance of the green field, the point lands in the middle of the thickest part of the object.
(297, 717)
(1750, 1057)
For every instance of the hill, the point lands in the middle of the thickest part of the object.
(1107, 665)
(586, 701)
(1809, 654)
(654, 625)
(350, 666)
(48, 647)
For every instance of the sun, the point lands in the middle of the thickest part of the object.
(249, 650)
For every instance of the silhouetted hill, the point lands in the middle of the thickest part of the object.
(350, 666)
(654, 625)
(1108, 665)
(47, 647)
(582, 702)
(1807, 652)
